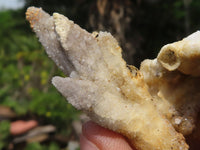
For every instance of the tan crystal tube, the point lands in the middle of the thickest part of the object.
(182, 55)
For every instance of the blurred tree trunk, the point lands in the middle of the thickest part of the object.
(115, 16)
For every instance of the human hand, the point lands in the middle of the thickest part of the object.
(95, 137)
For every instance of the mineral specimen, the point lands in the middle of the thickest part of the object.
(153, 107)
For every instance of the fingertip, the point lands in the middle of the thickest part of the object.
(85, 144)
(103, 138)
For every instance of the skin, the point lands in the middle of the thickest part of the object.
(95, 137)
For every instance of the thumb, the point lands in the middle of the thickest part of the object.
(95, 137)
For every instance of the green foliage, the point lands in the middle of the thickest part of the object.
(52, 106)
(25, 75)
(38, 146)
(4, 133)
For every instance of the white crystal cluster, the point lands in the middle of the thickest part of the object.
(153, 107)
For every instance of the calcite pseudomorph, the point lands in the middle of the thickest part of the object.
(154, 107)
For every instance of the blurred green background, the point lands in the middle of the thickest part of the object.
(142, 27)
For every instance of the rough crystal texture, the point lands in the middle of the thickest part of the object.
(153, 107)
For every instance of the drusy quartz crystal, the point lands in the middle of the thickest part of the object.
(154, 107)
